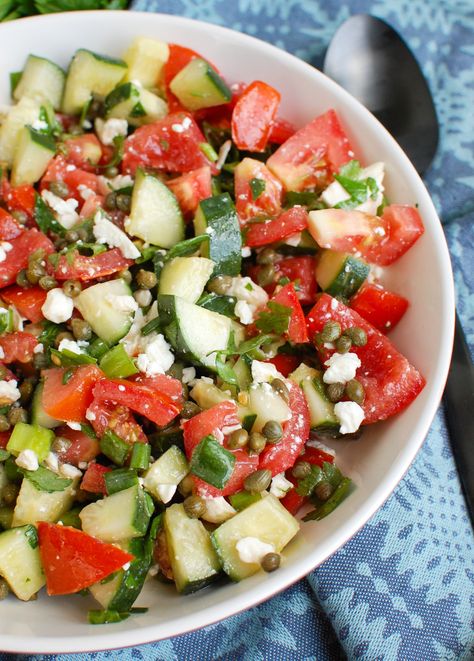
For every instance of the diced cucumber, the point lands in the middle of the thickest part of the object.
(120, 592)
(117, 364)
(302, 372)
(321, 409)
(242, 370)
(97, 304)
(170, 469)
(123, 515)
(185, 277)
(208, 394)
(198, 85)
(38, 414)
(90, 73)
(216, 216)
(155, 216)
(340, 274)
(33, 152)
(267, 404)
(194, 332)
(6, 517)
(20, 563)
(30, 437)
(267, 520)
(135, 104)
(27, 111)
(146, 58)
(42, 80)
(33, 505)
(193, 559)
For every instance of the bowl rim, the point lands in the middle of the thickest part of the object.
(133, 636)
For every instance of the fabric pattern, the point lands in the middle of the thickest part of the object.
(403, 588)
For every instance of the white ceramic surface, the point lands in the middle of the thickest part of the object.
(380, 459)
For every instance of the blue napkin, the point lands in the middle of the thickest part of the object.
(403, 587)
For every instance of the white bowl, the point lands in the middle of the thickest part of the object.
(378, 461)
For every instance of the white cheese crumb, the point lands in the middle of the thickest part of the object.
(9, 391)
(218, 510)
(126, 566)
(245, 289)
(90, 415)
(110, 129)
(57, 307)
(280, 485)
(69, 471)
(39, 125)
(5, 248)
(189, 374)
(166, 492)
(17, 319)
(156, 356)
(76, 426)
(143, 297)
(342, 367)
(72, 345)
(244, 312)
(28, 460)
(39, 348)
(263, 372)
(106, 232)
(65, 210)
(246, 251)
(52, 462)
(350, 415)
(252, 549)
(2, 353)
(119, 181)
(294, 239)
(83, 465)
(85, 192)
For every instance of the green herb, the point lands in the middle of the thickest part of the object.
(4, 454)
(257, 186)
(253, 344)
(70, 358)
(224, 370)
(31, 535)
(306, 199)
(110, 616)
(277, 320)
(98, 348)
(140, 458)
(382, 206)
(71, 518)
(120, 479)
(307, 484)
(284, 281)
(341, 492)
(88, 431)
(48, 334)
(146, 254)
(351, 170)
(114, 447)
(151, 326)
(155, 526)
(358, 189)
(6, 320)
(249, 286)
(222, 304)
(86, 249)
(212, 463)
(186, 247)
(208, 151)
(45, 480)
(67, 376)
(117, 155)
(45, 218)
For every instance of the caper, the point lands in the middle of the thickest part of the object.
(357, 335)
(123, 202)
(355, 391)
(190, 409)
(35, 272)
(4, 589)
(26, 390)
(111, 200)
(272, 430)
(267, 256)
(220, 285)
(146, 279)
(335, 391)
(343, 344)
(16, 415)
(270, 562)
(258, 481)
(111, 171)
(194, 506)
(59, 188)
(125, 275)
(71, 236)
(20, 216)
(323, 490)
(10, 494)
(186, 486)
(83, 234)
(72, 288)
(47, 282)
(4, 424)
(331, 331)
(301, 469)
(56, 360)
(81, 329)
(63, 335)
(238, 439)
(281, 389)
(257, 442)
(266, 275)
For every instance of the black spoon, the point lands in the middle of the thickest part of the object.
(371, 61)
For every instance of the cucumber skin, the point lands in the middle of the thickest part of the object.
(225, 241)
(134, 577)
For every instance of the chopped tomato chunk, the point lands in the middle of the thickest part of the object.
(69, 401)
(83, 151)
(18, 346)
(82, 447)
(297, 328)
(60, 170)
(93, 479)
(28, 301)
(248, 204)
(253, 116)
(104, 415)
(380, 307)
(190, 188)
(299, 270)
(17, 258)
(269, 231)
(21, 198)
(293, 501)
(81, 267)
(281, 130)
(285, 363)
(9, 227)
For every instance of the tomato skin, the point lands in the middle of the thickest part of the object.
(83, 448)
(297, 328)
(279, 457)
(281, 130)
(287, 223)
(117, 418)
(404, 227)
(73, 560)
(268, 203)
(158, 146)
(253, 116)
(390, 382)
(190, 188)
(21, 198)
(27, 301)
(58, 171)
(91, 205)
(85, 268)
(300, 270)
(9, 227)
(17, 258)
(313, 154)
(93, 479)
(79, 149)
(380, 307)
(18, 346)
(69, 402)
(285, 363)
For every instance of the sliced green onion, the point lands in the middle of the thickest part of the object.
(120, 479)
(117, 364)
(341, 492)
(98, 348)
(151, 326)
(208, 151)
(243, 499)
(140, 458)
(212, 463)
(307, 484)
(70, 358)
(114, 447)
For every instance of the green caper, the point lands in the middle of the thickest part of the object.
(56, 360)
(343, 344)
(266, 275)
(72, 288)
(357, 335)
(123, 202)
(17, 414)
(26, 390)
(335, 391)
(267, 256)
(270, 562)
(20, 216)
(301, 469)
(81, 329)
(125, 275)
(146, 279)
(111, 201)
(281, 389)
(111, 171)
(323, 490)
(186, 486)
(355, 391)
(10, 494)
(63, 335)
(220, 285)
(258, 481)
(331, 331)
(257, 442)
(4, 589)
(272, 430)
(83, 234)
(4, 424)
(47, 282)
(194, 506)
(71, 236)
(59, 188)
(190, 409)
(35, 272)
(238, 439)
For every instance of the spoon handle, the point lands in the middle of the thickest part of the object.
(459, 407)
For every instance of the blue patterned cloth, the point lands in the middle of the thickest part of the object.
(403, 587)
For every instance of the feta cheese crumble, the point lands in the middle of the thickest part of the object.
(218, 510)
(143, 297)
(342, 367)
(73, 346)
(350, 416)
(280, 485)
(69, 471)
(156, 356)
(76, 426)
(57, 307)
(244, 312)
(52, 462)
(65, 210)
(106, 232)
(252, 549)
(246, 251)
(9, 392)
(5, 248)
(110, 129)
(189, 374)
(28, 460)
(264, 372)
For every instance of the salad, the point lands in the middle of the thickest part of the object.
(190, 306)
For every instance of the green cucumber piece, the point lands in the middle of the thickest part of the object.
(117, 364)
(267, 520)
(33, 152)
(170, 469)
(216, 216)
(33, 505)
(193, 559)
(242, 370)
(198, 86)
(340, 274)
(38, 414)
(267, 404)
(185, 277)
(30, 437)
(146, 58)
(155, 215)
(96, 304)
(20, 563)
(27, 111)
(90, 73)
(135, 104)
(42, 80)
(321, 409)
